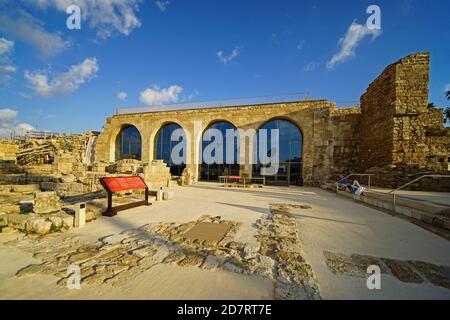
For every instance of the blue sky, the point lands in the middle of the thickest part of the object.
(156, 52)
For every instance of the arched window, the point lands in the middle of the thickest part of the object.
(164, 147)
(228, 166)
(290, 153)
(128, 143)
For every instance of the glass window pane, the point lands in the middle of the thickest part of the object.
(164, 147)
(212, 172)
(129, 144)
(290, 150)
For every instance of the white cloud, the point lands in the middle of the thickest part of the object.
(63, 83)
(350, 41)
(157, 96)
(310, 66)
(225, 59)
(23, 26)
(107, 16)
(6, 68)
(190, 97)
(9, 123)
(300, 45)
(6, 46)
(122, 95)
(162, 5)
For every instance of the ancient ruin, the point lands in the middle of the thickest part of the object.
(393, 135)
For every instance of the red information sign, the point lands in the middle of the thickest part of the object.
(115, 184)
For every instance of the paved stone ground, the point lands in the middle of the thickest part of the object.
(439, 198)
(284, 243)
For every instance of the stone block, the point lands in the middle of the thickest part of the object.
(9, 230)
(38, 225)
(56, 221)
(19, 221)
(46, 202)
(68, 178)
(67, 219)
(48, 186)
(25, 188)
(168, 195)
(3, 219)
(5, 188)
(10, 208)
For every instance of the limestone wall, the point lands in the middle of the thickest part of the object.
(310, 116)
(436, 140)
(8, 150)
(377, 121)
(396, 125)
(8, 160)
(401, 138)
(346, 136)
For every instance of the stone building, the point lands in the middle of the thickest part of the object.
(393, 129)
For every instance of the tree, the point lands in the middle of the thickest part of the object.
(431, 105)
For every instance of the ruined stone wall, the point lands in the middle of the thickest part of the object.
(395, 116)
(377, 125)
(345, 128)
(436, 140)
(8, 160)
(8, 150)
(397, 128)
(410, 109)
(401, 138)
(66, 153)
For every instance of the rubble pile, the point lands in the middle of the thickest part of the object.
(39, 213)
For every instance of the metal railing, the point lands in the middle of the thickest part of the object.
(294, 97)
(393, 191)
(355, 174)
(41, 134)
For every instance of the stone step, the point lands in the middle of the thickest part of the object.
(426, 212)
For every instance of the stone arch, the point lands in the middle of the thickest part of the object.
(160, 144)
(287, 118)
(290, 153)
(211, 172)
(126, 142)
